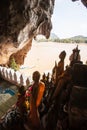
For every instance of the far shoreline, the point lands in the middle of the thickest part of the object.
(43, 55)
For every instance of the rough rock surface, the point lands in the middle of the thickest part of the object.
(20, 22)
(83, 1)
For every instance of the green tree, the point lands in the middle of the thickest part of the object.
(14, 65)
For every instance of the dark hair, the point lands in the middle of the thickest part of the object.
(36, 76)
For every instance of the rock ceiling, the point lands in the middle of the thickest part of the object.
(20, 22)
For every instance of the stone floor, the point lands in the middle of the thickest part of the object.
(7, 100)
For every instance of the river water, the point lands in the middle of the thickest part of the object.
(43, 55)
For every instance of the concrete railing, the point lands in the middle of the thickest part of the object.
(14, 77)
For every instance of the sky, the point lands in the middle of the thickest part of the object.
(69, 19)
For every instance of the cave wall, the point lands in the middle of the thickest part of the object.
(20, 22)
(83, 1)
(16, 15)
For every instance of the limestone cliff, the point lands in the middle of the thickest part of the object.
(83, 1)
(20, 22)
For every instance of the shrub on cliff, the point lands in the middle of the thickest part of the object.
(14, 65)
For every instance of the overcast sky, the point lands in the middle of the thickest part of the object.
(69, 19)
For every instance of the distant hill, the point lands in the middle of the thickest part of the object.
(75, 39)
(79, 37)
(42, 38)
(53, 36)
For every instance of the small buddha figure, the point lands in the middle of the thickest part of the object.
(75, 56)
(59, 69)
(38, 88)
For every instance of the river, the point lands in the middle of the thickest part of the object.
(43, 55)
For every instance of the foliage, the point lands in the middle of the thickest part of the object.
(54, 38)
(13, 64)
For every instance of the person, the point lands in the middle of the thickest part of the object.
(38, 89)
(75, 56)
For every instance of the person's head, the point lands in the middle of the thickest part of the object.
(62, 55)
(36, 76)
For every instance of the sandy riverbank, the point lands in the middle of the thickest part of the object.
(42, 56)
